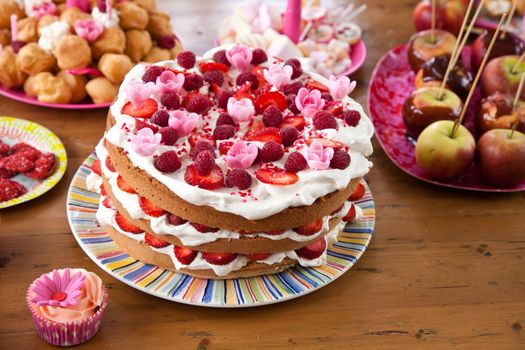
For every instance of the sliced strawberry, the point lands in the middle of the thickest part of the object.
(270, 98)
(350, 215)
(274, 232)
(258, 71)
(297, 122)
(310, 229)
(212, 181)
(203, 228)
(206, 66)
(224, 147)
(219, 258)
(126, 225)
(123, 185)
(103, 190)
(276, 176)
(154, 241)
(314, 85)
(267, 134)
(95, 167)
(194, 138)
(258, 257)
(337, 210)
(335, 107)
(150, 208)
(145, 111)
(312, 250)
(109, 165)
(255, 126)
(184, 255)
(141, 124)
(325, 142)
(359, 192)
(244, 91)
(107, 202)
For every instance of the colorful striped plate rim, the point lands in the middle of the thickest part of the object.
(82, 205)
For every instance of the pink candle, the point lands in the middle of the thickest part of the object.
(14, 27)
(292, 20)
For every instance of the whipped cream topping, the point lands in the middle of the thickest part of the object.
(51, 34)
(264, 199)
(104, 18)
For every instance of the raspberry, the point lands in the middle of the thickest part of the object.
(198, 103)
(289, 135)
(220, 57)
(186, 59)
(324, 120)
(152, 73)
(259, 56)
(341, 160)
(225, 119)
(213, 77)
(169, 136)
(327, 97)
(296, 65)
(223, 132)
(223, 96)
(272, 116)
(193, 82)
(204, 162)
(168, 162)
(174, 219)
(238, 178)
(160, 117)
(170, 100)
(247, 76)
(290, 99)
(166, 42)
(101, 4)
(271, 152)
(202, 146)
(295, 162)
(352, 117)
(293, 88)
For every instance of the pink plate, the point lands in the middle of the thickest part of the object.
(392, 82)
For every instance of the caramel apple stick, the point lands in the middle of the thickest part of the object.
(478, 75)
(513, 70)
(506, 28)
(515, 103)
(433, 23)
(469, 30)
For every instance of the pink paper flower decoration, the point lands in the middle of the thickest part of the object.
(56, 290)
(309, 102)
(240, 110)
(46, 8)
(183, 122)
(138, 92)
(168, 81)
(88, 29)
(340, 87)
(145, 142)
(239, 56)
(278, 75)
(317, 156)
(241, 155)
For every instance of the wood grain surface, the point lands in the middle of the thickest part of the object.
(445, 269)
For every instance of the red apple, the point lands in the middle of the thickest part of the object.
(421, 47)
(501, 159)
(510, 44)
(498, 76)
(449, 15)
(442, 156)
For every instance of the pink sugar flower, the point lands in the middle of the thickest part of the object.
(240, 110)
(309, 102)
(138, 92)
(88, 29)
(341, 87)
(145, 143)
(55, 290)
(241, 155)
(168, 81)
(183, 121)
(239, 56)
(278, 75)
(46, 8)
(318, 157)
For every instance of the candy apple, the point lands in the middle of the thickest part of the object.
(496, 113)
(459, 79)
(509, 44)
(449, 15)
(499, 77)
(421, 47)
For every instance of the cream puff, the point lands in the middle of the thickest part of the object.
(10, 75)
(115, 66)
(51, 89)
(112, 40)
(132, 16)
(138, 44)
(73, 51)
(77, 84)
(32, 59)
(101, 90)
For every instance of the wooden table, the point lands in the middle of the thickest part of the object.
(445, 268)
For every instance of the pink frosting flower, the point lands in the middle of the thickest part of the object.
(240, 110)
(278, 75)
(145, 142)
(309, 102)
(168, 81)
(46, 8)
(138, 92)
(55, 290)
(88, 29)
(241, 155)
(183, 122)
(239, 56)
(340, 87)
(317, 156)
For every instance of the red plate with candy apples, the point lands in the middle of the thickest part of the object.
(391, 84)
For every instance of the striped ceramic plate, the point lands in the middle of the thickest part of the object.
(242, 292)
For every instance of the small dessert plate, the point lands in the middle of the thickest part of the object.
(294, 282)
(14, 130)
(391, 83)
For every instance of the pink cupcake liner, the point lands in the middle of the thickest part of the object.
(70, 333)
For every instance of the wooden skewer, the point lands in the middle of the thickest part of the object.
(469, 30)
(513, 70)
(476, 79)
(506, 28)
(515, 103)
(433, 23)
